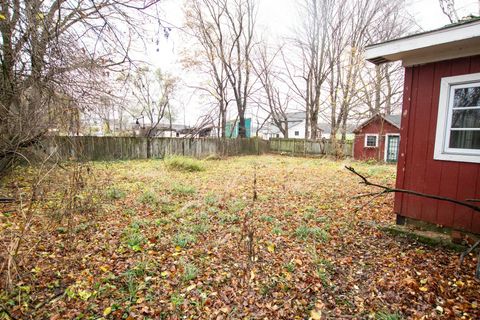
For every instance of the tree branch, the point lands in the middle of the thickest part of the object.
(415, 193)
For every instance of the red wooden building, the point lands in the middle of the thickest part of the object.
(440, 145)
(378, 138)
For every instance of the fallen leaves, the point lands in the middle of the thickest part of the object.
(163, 251)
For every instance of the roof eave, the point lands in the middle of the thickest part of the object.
(448, 43)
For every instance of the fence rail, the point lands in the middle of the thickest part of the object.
(124, 148)
(311, 147)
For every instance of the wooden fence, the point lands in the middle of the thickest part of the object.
(124, 148)
(310, 147)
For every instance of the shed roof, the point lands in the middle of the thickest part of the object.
(452, 41)
(394, 119)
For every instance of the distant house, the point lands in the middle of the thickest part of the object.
(326, 130)
(231, 128)
(378, 138)
(440, 145)
(296, 128)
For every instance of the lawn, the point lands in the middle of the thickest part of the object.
(185, 240)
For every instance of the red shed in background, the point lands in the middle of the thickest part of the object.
(378, 138)
(440, 130)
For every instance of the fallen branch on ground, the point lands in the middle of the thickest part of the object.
(6, 200)
(386, 190)
(411, 192)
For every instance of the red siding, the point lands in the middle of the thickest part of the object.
(416, 168)
(377, 126)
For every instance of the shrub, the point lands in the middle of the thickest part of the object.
(183, 164)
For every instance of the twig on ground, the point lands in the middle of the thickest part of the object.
(467, 203)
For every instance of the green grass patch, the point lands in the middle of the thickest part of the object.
(133, 236)
(304, 232)
(384, 315)
(115, 193)
(180, 189)
(190, 271)
(211, 199)
(226, 217)
(148, 198)
(184, 164)
(266, 218)
(184, 239)
(290, 267)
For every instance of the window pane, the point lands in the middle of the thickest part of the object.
(371, 141)
(469, 118)
(467, 97)
(464, 139)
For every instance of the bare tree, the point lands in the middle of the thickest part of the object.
(208, 58)
(359, 23)
(312, 40)
(346, 60)
(273, 96)
(448, 8)
(153, 92)
(229, 27)
(382, 85)
(52, 55)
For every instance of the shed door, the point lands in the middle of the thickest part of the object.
(392, 148)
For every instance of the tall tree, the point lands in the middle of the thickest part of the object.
(153, 91)
(273, 95)
(448, 8)
(311, 41)
(228, 27)
(382, 85)
(53, 53)
(208, 59)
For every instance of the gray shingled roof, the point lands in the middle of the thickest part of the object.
(394, 119)
(296, 116)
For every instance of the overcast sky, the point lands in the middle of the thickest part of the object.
(276, 19)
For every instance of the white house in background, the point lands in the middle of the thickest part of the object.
(296, 128)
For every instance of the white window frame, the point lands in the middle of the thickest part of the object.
(442, 150)
(371, 135)
(385, 146)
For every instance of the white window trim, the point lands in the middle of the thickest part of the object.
(442, 137)
(371, 135)
(385, 145)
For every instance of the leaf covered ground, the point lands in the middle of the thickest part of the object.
(159, 242)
